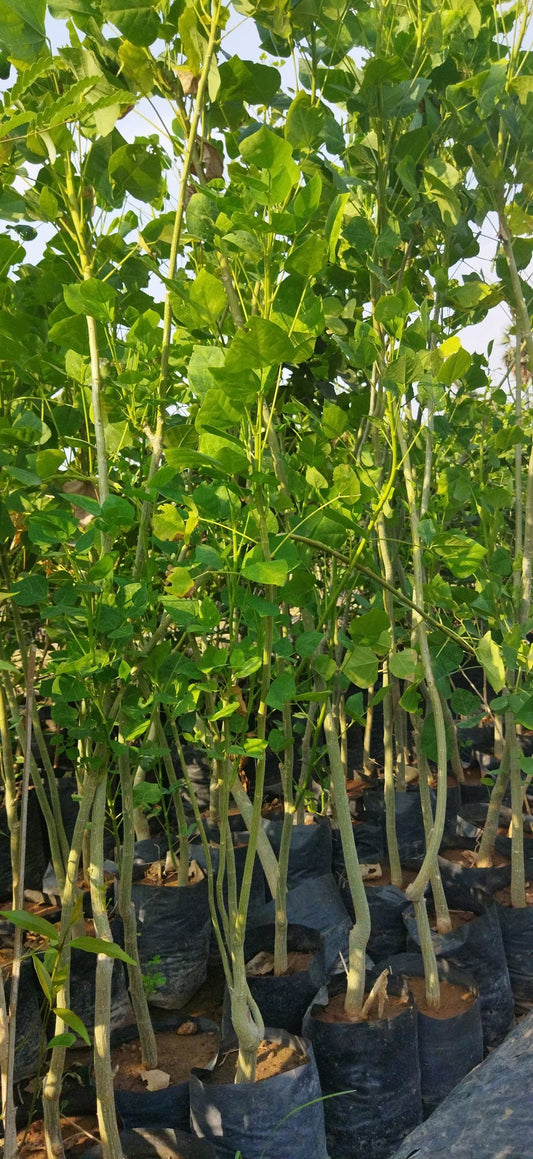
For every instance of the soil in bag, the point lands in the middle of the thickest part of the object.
(457, 862)
(182, 1043)
(475, 945)
(317, 904)
(282, 1000)
(372, 1069)
(278, 1116)
(450, 1039)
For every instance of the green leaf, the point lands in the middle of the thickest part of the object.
(334, 420)
(406, 170)
(99, 946)
(277, 740)
(178, 582)
(146, 794)
(461, 554)
(492, 88)
(307, 644)
(373, 629)
(136, 169)
(271, 571)
(248, 81)
(304, 124)
(259, 345)
(267, 150)
(31, 922)
(334, 223)
(138, 20)
(361, 666)
(66, 1039)
(45, 980)
(325, 666)
(72, 1020)
(393, 311)
(228, 709)
(464, 702)
(22, 32)
(355, 707)
(525, 714)
(203, 360)
(7, 666)
(217, 411)
(32, 12)
(490, 657)
(92, 298)
(48, 527)
(411, 700)
(47, 462)
(455, 366)
(29, 590)
(116, 513)
(428, 738)
(402, 664)
(282, 690)
(103, 568)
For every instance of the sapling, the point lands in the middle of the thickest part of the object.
(8, 1017)
(415, 891)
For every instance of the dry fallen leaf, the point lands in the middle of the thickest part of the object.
(263, 963)
(187, 1028)
(196, 874)
(35, 895)
(156, 1080)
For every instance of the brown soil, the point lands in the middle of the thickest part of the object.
(473, 775)
(354, 789)
(176, 1055)
(468, 857)
(296, 963)
(503, 896)
(78, 1134)
(334, 1011)
(453, 999)
(273, 809)
(458, 917)
(273, 1058)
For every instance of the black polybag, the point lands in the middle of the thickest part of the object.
(477, 947)
(283, 1001)
(448, 1048)
(174, 926)
(517, 934)
(278, 1118)
(316, 903)
(169, 1107)
(310, 853)
(375, 1066)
